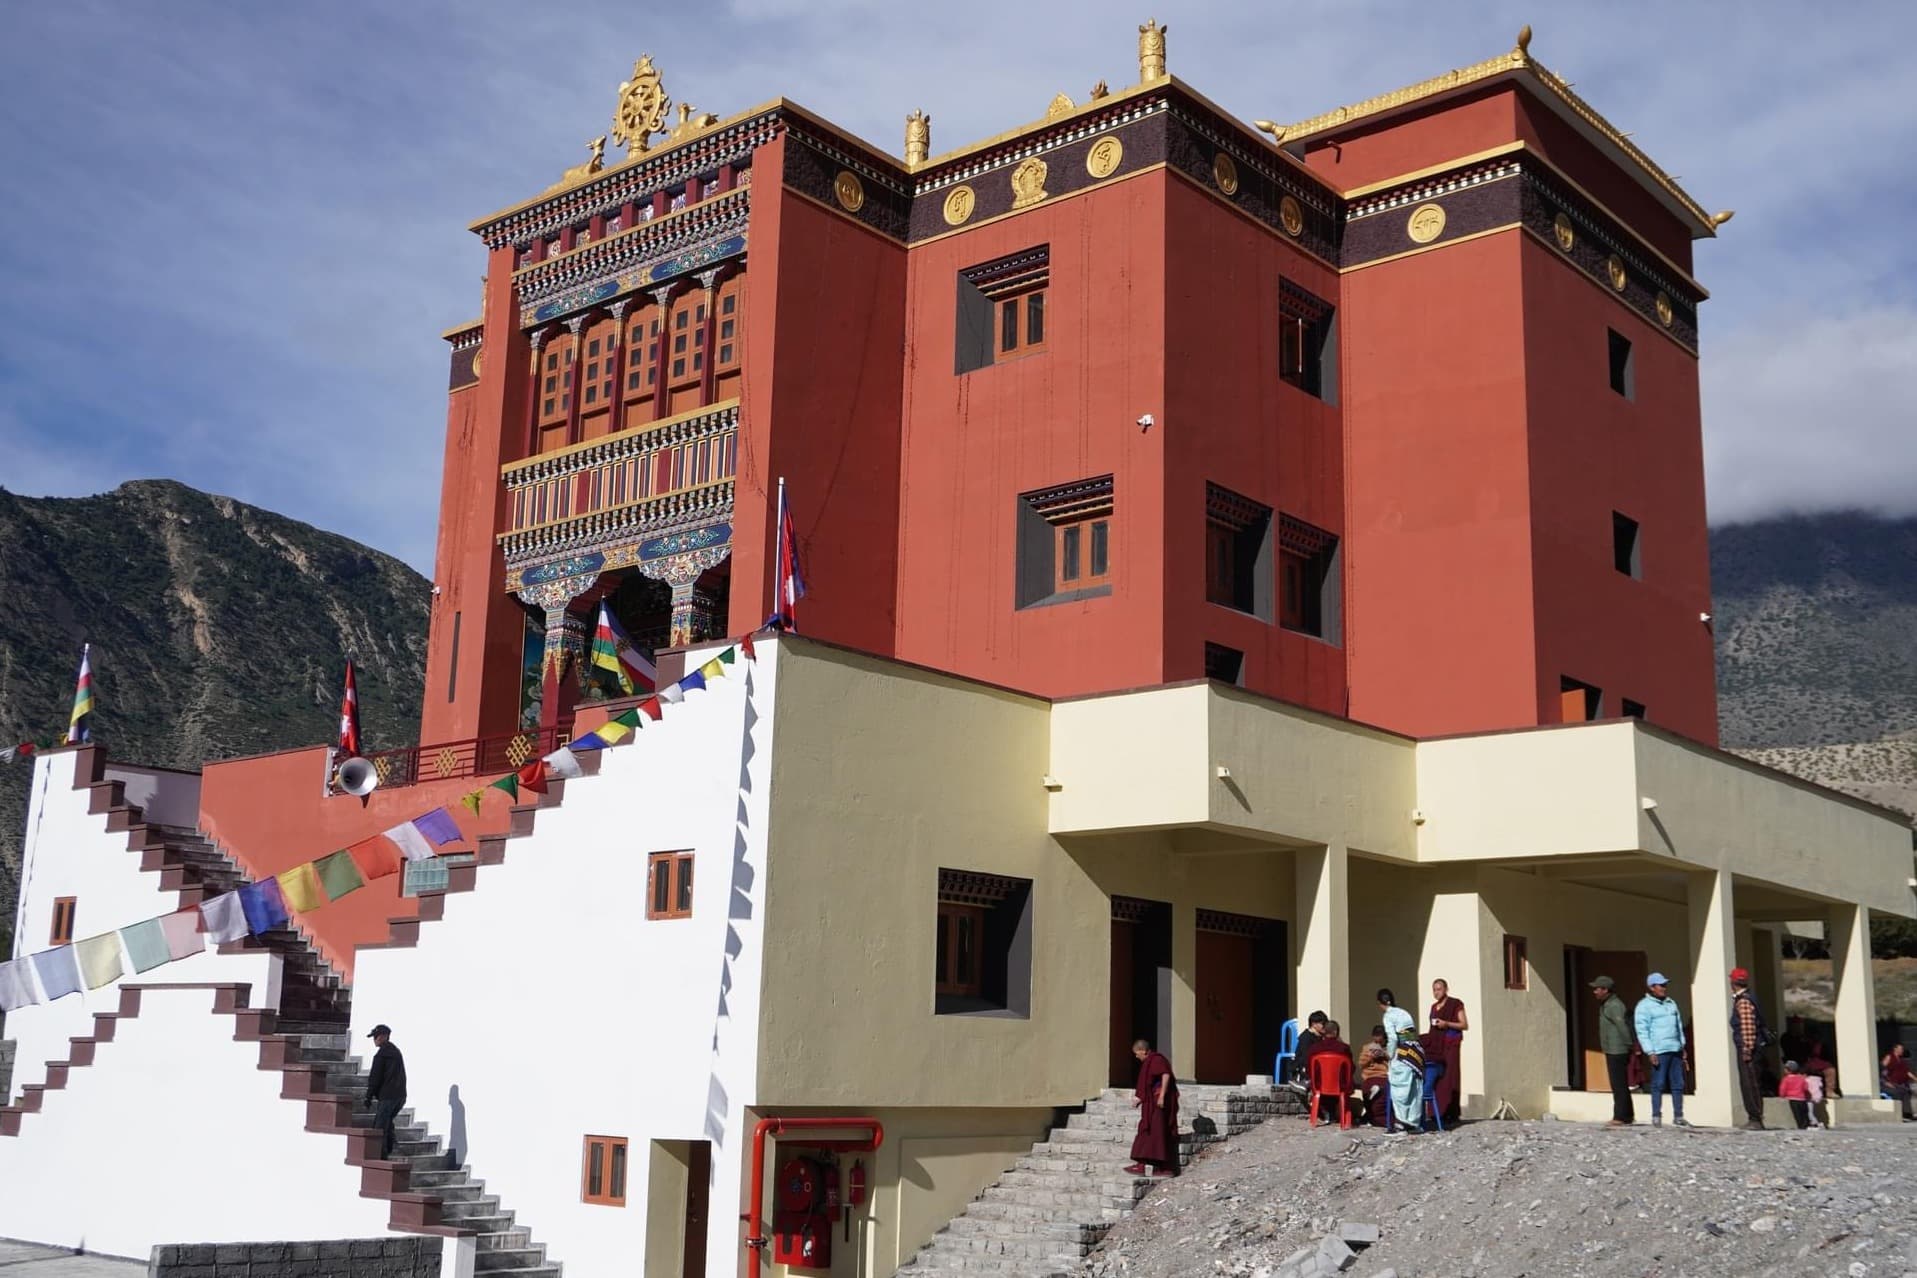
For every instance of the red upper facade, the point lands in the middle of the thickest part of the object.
(1395, 417)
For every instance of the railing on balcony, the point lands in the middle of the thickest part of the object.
(473, 757)
(651, 474)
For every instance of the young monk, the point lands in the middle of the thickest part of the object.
(1156, 1145)
(1374, 1077)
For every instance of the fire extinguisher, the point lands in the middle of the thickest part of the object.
(855, 1193)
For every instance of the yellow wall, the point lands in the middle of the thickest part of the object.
(667, 1181)
(1527, 794)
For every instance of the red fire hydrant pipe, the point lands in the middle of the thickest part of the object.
(755, 1222)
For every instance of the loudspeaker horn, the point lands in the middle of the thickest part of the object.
(358, 776)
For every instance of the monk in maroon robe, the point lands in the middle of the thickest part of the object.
(1156, 1145)
(1448, 1023)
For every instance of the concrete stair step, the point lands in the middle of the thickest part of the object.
(1066, 1231)
(509, 1258)
(477, 1205)
(505, 1240)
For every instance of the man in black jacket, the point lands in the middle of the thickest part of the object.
(386, 1086)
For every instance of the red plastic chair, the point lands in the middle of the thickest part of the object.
(1331, 1079)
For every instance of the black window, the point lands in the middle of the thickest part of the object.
(1237, 552)
(1227, 665)
(1633, 709)
(982, 944)
(1001, 309)
(1310, 598)
(1578, 702)
(1625, 551)
(1623, 375)
(1307, 342)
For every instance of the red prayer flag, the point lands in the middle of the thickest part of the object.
(377, 857)
(651, 708)
(533, 776)
(349, 717)
(745, 646)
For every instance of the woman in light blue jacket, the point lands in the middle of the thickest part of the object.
(1660, 1032)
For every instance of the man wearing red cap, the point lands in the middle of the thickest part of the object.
(1749, 1034)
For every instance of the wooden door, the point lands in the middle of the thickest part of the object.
(1627, 968)
(1124, 1068)
(698, 1205)
(1223, 978)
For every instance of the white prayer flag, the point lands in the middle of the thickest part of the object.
(672, 692)
(59, 972)
(16, 985)
(225, 919)
(563, 763)
(412, 844)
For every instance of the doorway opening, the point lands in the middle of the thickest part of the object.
(678, 1206)
(1243, 990)
(1141, 981)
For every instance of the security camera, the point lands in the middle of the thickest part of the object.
(1145, 422)
(1704, 617)
(435, 590)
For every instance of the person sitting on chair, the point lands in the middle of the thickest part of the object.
(1333, 1046)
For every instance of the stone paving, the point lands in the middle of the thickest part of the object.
(30, 1260)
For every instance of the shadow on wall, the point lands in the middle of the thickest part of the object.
(456, 1151)
(738, 910)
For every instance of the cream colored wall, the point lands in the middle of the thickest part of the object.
(881, 774)
(1525, 794)
(1725, 813)
(1147, 759)
(668, 1172)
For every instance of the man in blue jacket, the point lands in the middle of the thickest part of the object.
(1660, 1032)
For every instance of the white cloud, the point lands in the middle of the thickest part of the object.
(230, 236)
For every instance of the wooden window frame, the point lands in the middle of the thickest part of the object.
(947, 976)
(1516, 950)
(1589, 700)
(64, 908)
(616, 1161)
(1074, 553)
(674, 871)
(1304, 337)
(1013, 316)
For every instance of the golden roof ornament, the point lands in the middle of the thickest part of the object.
(1151, 51)
(918, 138)
(691, 121)
(1061, 104)
(595, 161)
(1722, 216)
(1100, 90)
(1521, 53)
(1277, 131)
(642, 107)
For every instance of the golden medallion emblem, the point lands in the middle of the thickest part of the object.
(1426, 223)
(1615, 269)
(1664, 316)
(1028, 183)
(1224, 171)
(1103, 159)
(477, 354)
(959, 203)
(1566, 233)
(848, 191)
(1291, 216)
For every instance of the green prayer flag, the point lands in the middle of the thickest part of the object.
(728, 655)
(338, 875)
(509, 783)
(630, 719)
(145, 944)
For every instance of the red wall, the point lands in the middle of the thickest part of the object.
(1377, 152)
(484, 429)
(1593, 452)
(1438, 575)
(973, 443)
(1626, 198)
(270, 814)
(1229, 419)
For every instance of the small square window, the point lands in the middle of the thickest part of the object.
(547, 410)
(1517, 971)
(669, 886)
(1227, 665)
(1305, 346)
(63, 908)
(592, 348)
(602, 1174)
(592, 393)
(1001, 309)
(1064, 542)
(678, 368)
(1633, 709)
(982, 944)
(1578, 702)
(1624, 545)
(1623, 375)
(1237, 552)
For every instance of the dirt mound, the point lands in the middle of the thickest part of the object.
(1503, 1200)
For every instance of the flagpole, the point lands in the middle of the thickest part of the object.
(779, 605)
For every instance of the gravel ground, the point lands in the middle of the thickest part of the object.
(1502, 1200)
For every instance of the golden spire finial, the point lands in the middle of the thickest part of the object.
(1722, 216)
(1522, 53)
(641, 110)
(918, 138)
(1277, 131)
(1151, 51)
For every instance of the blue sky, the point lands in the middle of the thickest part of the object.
(231, 234)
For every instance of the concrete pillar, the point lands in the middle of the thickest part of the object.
(1323, 937)
(1848, 927)
(1767, 974)
(1713, 936)
(1454, 953)
(1182, 994)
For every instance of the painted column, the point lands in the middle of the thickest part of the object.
(1178, 988)
(532, 395)
(616, 411)
(661, 389)
(1323, 932)
(1454, 953)
(1767, 975)
(1713, 936)
(577, 370)
(1848, 927)
(708, 332)
(563, 665)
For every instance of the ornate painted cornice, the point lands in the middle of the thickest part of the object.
(706, 222)
(700, 422)
(605, 531)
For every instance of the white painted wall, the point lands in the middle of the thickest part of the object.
(68, 851)
(166, 796)
(175, 1135)
(559, 1010)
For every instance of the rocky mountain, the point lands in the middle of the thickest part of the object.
(218, 629)
(1816, 622)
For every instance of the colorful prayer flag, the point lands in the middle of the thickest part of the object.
(533, 777)
(745, 646)
(652, 709)
(79, 725)
(612, 733)
(472, 800)
(439, 826)
(99, 959)
(627, 719)
(563, 764)
(729, 655)
(59, 972)
(376, 857)
(696, 679)
(411, 843)
(145, 943)
(509, 783)
(265, 907)
(788, 586)
(349, 716)
(713, 669)
(338, 875)
(225, 918)
(612, 650)
(673, 693)
(591, 741)
(184, 938)
(22, 751)
(300, 889)
(17, 989)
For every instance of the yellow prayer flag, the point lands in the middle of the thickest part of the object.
(99, 959)
(713, 669)
(612, 732)
(472, 800)
(301, 890)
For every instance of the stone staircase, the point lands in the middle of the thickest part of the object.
(1056, 1204)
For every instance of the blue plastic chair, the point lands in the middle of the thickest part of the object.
(1432, 1069)
(1287, 1049)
